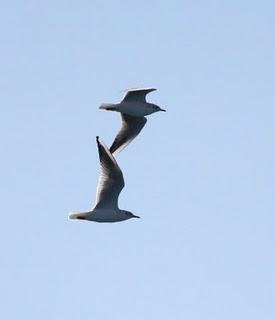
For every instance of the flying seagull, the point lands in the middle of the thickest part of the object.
(133, 109)
(109, 186)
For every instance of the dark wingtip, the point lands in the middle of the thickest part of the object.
(97, 141)
(112, 149)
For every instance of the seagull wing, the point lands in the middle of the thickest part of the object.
(111, 180)
(131, 127)
(138, 94)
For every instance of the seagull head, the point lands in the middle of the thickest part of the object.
(129, 215)
(156, 108)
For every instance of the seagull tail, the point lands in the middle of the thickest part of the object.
(107, 106)
(76, 216)
(72, 216)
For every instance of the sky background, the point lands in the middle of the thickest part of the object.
(201, 175)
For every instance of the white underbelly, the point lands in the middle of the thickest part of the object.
(135, 109)
(106, 216)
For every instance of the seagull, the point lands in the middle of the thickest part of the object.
(109, 186)
(133, 109)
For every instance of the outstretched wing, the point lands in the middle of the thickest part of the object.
(111, 180)
(130, 128)
(138, 94)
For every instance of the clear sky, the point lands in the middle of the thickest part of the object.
(201, 175)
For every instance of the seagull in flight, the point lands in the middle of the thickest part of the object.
(109, 186)
(133, 109)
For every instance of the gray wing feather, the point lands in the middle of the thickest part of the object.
(137, 94)
(131, 127)
(111, 180)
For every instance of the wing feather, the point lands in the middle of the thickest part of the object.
(111, 180)
(138, 94)
(130, 128)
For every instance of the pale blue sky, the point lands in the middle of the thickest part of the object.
(201, 175)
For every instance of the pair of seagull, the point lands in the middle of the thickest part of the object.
(133, 109)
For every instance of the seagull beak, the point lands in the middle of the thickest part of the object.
(136, 216)
(162, 110)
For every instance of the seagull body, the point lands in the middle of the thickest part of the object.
(109, 186)
(102, 215)
(133, 109)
